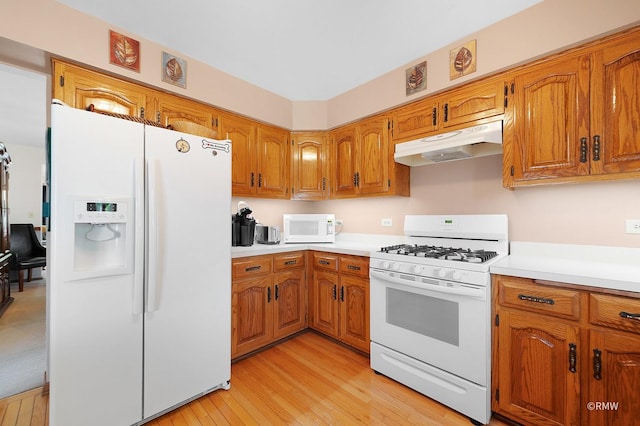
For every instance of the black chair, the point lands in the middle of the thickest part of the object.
(27, 252)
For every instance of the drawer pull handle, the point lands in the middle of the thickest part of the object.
(342, 294)
(253, 268)
(536, 299)
(597, 364)
(573, 356)
(291, 262)
(268, 294)
(324, 262)
(627, 315)
(335, 292)
(277, 293)
(353, 267)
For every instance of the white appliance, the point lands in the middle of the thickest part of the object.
(139, 279)
(430, 308)
(476, 141)
(309, 228)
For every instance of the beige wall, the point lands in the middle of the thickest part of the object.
(588, 213)
(584, 213)
(546, 27)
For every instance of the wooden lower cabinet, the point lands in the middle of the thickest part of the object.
(268, 300)
(339, 298)
(565, 354)
(539, 386)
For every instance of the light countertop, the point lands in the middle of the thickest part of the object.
(354, 244)
(597, 266)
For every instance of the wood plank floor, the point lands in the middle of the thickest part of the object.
(305, 380)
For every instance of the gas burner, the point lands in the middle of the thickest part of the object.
(439, 252)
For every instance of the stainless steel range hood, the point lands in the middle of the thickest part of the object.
(476, 141)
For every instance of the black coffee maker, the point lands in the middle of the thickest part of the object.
(243, 228)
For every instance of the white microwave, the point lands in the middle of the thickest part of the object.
(309, 228)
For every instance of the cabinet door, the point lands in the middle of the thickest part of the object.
(536, 384)
(251, 315)
(473, 102)
(241, 132)
(290, 307)
(80, 88)
(354, 312)
(415, 120)
(325, 309)
(170, 109)
(309, 168)
(343, 163)
(613, 379)
(373, 157)
(616, 100)
(551, 123)
(273, 162)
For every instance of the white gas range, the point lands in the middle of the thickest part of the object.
(430, 308)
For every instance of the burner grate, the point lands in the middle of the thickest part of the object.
(440, 252)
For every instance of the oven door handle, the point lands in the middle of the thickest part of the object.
(459, 291)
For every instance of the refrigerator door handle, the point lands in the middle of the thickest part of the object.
(138, 278)
(152, 224)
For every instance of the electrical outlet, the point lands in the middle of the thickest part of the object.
(386, 222)
(632, 226)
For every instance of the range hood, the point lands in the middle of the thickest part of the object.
(476, 141)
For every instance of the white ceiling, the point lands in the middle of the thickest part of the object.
(303, 49)
(299, 49)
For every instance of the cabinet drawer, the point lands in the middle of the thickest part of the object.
(324, 261)
(526, 294)
(288, 261)
(249, 266)
(354, 266)
(615, 312)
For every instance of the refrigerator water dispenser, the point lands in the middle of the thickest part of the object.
(103, 240)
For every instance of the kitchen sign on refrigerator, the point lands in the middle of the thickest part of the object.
(139, 282)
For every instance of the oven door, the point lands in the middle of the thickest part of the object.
(441, 323)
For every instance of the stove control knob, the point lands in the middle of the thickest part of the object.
(456, 275)
(440, 272)
(385, 264)
(418, 268)
(395, 266)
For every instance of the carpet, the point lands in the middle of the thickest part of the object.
(22, 340)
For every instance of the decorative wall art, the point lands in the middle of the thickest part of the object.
(462, 60)
(124, 51)
(416, 78)
(174, 70)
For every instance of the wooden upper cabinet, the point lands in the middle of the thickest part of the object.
(362, 161)
(472, 102)
(343, 162)
(551, 108)
(309, 166)
(242, 133)
(416, 120)
(273, 162)
(80, 88)
(616, 107)
(575, 117)
(170, 109)
(372, 175)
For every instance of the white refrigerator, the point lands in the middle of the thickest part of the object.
(139, 269)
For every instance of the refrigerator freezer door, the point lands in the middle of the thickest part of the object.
(95, 326)
(187, 335)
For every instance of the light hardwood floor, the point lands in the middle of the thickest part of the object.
(305, 380)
